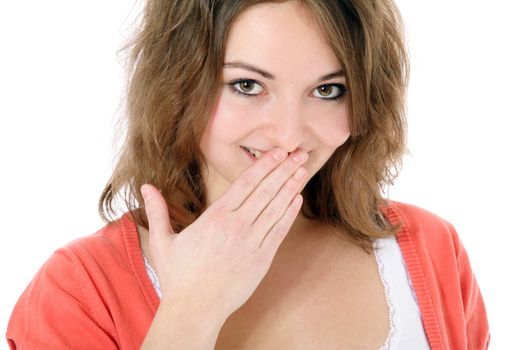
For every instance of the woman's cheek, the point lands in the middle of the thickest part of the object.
(232, 114)
(333, 128)
(223, 121)
(344, 133)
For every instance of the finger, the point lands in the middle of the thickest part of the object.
(270, 186)
(272, 241)
(278, 205)
(157, 213)
(248, 181)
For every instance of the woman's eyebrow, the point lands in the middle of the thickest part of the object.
(265, 74)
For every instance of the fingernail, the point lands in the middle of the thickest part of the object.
(299, 173)
(146, 194)
(300, 156)
(279, 154)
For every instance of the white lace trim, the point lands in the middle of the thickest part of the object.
(391, 308)
(152, 276)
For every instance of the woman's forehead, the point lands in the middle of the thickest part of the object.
(282, 38)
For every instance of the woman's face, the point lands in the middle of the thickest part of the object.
(282, 87)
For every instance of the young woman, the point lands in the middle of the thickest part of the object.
(260, 137)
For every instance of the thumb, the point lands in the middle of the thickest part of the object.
(157, 212)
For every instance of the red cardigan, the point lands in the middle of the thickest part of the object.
(95, 292)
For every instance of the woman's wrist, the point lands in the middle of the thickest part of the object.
(183, 325)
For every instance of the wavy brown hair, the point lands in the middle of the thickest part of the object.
(175, 66)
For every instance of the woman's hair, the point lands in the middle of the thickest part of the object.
(175, 66)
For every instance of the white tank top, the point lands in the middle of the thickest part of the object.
(406, 327)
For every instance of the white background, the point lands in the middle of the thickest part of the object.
(60, 91)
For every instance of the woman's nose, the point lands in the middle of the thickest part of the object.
(287, 126)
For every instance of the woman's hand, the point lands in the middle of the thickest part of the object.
(217, 262)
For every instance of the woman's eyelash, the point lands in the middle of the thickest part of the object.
(232, 85)
(341, 88)
(239, 81)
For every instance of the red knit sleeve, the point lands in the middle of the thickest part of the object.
(477, 327)
(452, 308)
(55, 313)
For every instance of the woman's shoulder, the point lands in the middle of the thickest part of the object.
(415, 216)
(114, 238)
(80, 291)
(442, 276)
(422, 227)
(109, 253)
(111, 248)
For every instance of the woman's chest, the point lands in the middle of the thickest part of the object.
(329, 298)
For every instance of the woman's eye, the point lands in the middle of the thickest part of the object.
(330, 92)
(246, 87)
(252, 88)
